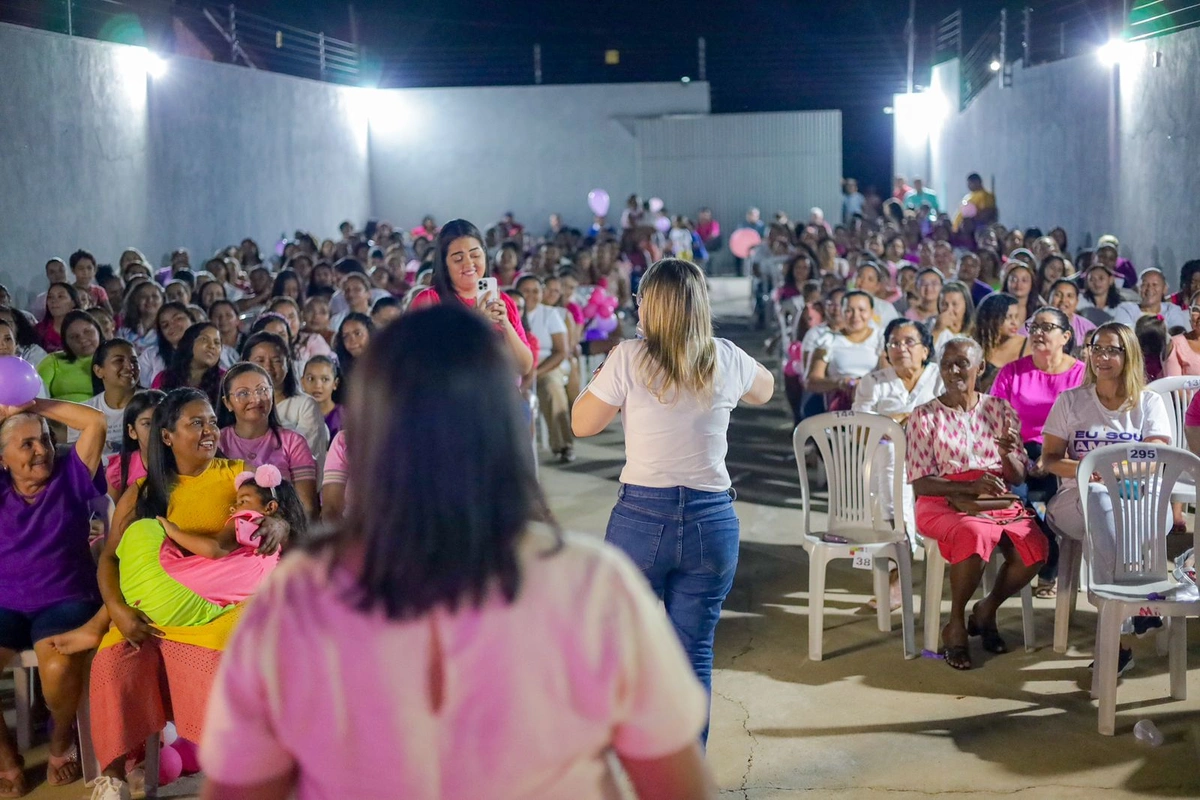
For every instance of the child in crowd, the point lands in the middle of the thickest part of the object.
(322, 382)
(179, 592)
(317, 318)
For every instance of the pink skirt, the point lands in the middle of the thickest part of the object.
(960, 536)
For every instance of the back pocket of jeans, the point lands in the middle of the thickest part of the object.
(639, 540)
(719, 545)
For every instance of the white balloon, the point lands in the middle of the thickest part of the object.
(169, 734)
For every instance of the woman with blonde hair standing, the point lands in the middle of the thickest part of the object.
(676, 386)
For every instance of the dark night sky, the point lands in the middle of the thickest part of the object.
(762, 55)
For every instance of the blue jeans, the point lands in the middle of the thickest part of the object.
(686, 543)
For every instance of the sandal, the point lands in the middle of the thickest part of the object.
(12, 781)
(957, 656)
(1046, 590)
(992, 642)
(68, 762)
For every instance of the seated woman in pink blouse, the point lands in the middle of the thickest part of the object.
(964, 454)
(1185, 347)
(455, 618)
(251, 432)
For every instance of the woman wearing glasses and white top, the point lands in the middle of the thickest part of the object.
(676, 387)
(1111, 407)
(1185, 347)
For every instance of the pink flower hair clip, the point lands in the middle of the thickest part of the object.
(267, 476)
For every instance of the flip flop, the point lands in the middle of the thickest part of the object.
(68, 759)
(958, 657)
(992, 642)
(14, 779)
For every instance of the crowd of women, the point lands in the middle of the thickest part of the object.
(1006, 355)
(194, 424)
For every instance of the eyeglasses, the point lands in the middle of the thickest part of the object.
(242, 395)
(903, 344)
(1106, 352)
(1045, 327)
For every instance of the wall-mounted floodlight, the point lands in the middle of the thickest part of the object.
(995, 65)
(1111, 52)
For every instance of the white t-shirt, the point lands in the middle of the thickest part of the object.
(881, 392)
(116, 425)
(1175, 317)
(1078, 418)
(535, 692)
(680, 444)
(546, 321)
(849, 359)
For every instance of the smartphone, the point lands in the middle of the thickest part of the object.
(485, 287)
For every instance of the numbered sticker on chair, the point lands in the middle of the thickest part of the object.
(862, 559)
(1143, 454)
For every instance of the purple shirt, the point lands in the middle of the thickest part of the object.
(44, 555)
(333, 421)
(1032, 392)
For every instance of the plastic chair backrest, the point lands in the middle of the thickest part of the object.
(847, 442)
(787, 315)
(1139, 479)
(1177, 392)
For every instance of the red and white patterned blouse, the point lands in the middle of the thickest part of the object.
(944, 441)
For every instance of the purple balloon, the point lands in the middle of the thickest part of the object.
(19, 381)
(189, 754)
(662, 224)
(170, 765)
(598, 202)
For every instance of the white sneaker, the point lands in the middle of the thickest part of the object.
(108, 788)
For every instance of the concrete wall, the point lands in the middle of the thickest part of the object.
(1093, 148)
(478, 152)
(98, 155)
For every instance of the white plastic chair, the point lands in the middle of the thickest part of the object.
(1178, 392)
(846, 441)
(24, 667)
(1139, 479)
(931, 603)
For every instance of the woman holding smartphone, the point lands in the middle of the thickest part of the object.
(459, 271)
(676, 386)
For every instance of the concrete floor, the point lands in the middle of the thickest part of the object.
(863, 722)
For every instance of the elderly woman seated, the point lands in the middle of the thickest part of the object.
(964, 454)
(47, 575)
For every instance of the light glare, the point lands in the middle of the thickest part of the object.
(1111, 52)
(995, 65)
(156, 65)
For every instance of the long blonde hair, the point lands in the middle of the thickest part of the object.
(1133, 367)
(680, 355)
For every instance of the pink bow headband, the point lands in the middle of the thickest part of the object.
(266, 477)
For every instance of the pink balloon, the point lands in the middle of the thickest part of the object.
(656, 205)
(170, 765)
(189, 754)
(969, 210)
(662, 224)
(743, 240)
(19, 381)
(598, 202)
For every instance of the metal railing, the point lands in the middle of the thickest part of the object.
(976, 67)
(1150, 18)
(223, 32)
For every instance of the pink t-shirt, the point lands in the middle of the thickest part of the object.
(430, 297)
(534, 692)
(1183, 359)
(112, 472)
(1032, 392)
(224, 581)
(1191, 417)
(289, 452)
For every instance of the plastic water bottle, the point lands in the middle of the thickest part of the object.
(1146, 731)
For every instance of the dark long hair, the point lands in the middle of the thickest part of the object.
(454, 229)
(345, 360)
(101, 355)
(226, 417)
(166, 351)
(281, 280)
(989, 317)
(290, 387)
(162, 473)
(460, 485)
(143, 400)
(179, 372)
(70, 319)
(71, 290)
(291, 510)
(25, 334)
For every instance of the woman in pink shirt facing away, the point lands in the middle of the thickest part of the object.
(469, 648)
